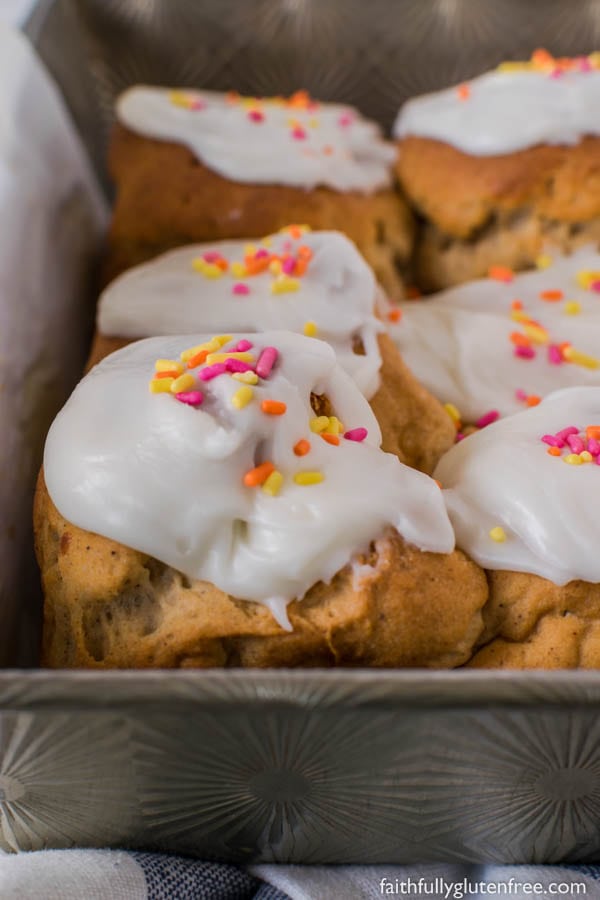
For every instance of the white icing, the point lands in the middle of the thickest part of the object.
(507, 111)
(166, 479)
(350, 156)
(503, 476)
(337, 293)
(458, 344)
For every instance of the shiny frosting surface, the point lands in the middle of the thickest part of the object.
(517, 105)
(335, 296)
(524, 504)
(170, 479)
(292, 141)
(492, 344)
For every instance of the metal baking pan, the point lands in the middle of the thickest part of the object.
(304, 766)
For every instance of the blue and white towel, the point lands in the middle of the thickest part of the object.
(135, 875)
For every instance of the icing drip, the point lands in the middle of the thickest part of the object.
(294, 141)
(513, 107)
(516, 506)
(237, 482)
(335, 294)
(503, 343)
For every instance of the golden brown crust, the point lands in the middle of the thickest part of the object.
(414, 425)
(532, 623)
(166, 197)
(107, 606)
(481, 211)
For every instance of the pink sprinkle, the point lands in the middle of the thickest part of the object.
(298, 133)
(554, 355)
(575, 443)
(488, 418)
(240, 288)
(594, 446)
(556, 73)
(287, 246)
(211, 256)
(266, 361)
(197, 105)
(237, 365)
(595, 286)
(597, 460)
(525, 352)
(345, 119)
(210, 372)
(288, 265)
(356, 434)
(192, 398)
(521, 395)
(242, 346)
(255, 115)
(459, 436)
(553, 440)
(584, 64)
(564, 434)
(261, 253)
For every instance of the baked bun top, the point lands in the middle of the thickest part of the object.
(523, 494)
(310, 282)
(293, 141)
(257, 468)
(520, 104)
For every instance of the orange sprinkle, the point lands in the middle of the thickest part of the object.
(439, 483)
(463, 91)
(172, 373)
(327, 149)
(302, 447)
(305, 252)
(295, 232)
(273, 407)
(520, 340)
(222, 263)
(331, 439)
(516, 304)
(300, 267)
(301, 99)
(198, 359)
(564, 346)
(501, 273)
(258, 476)
(541, 57)
(395, 315)
(553, 451)
(593, 432)
(533, 400)
(256, 266)
(551, 296)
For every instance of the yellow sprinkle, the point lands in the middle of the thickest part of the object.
(581, 359)
(267, 241)
(594, 59)
(319, 424)
(313, 123)
(250, 249)
(273, 483)
(309, 477)
(310, 329)
(585, 456)
(304, 229)
(178, 98)
(543, 261)
(452, 412)
(585, 277)
(283, 284)
(198, 264)
(238, 269)
(222, 339)
(222, 357)
(246, 377)
(275, 267)
(242, 397)
(183, 383)
(211, 270)
(573, 459)
(498, 534)
(168, 365)
(161, 385)
(537, 334)
(513, 66)
(334, 426)
(572, 307)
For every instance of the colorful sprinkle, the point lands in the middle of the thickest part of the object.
(553, 451)
(356, 434)
(302, 447)
(182, 384)
(168, 365)
(463, 91)
(551, 296)
(257, 476)
(266, 361)
(453, 413)
(543, 261)
(240, 289)
(242, 397)
(498, 534)
(248, 377)
(191, 398)
(283, 284)
(319, 424)
(573, 459)
(213, 358)
(331, 438)
(273, 407)
(488, 418)
(306, 478)
(501, 273)
(210, 372)
(572, 308)
(310, 329)
(161, 385)
(273, 483)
